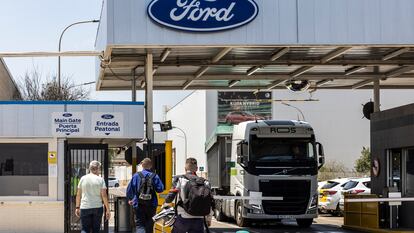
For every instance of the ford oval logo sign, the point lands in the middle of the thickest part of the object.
(107, 116)
(67, 115)
(203, 15)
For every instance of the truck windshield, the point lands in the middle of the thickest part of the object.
(277, 149)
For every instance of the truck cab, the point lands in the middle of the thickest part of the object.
(273, 159)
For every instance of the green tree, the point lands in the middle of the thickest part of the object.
(363, 164)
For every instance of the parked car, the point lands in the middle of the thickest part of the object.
(241, 116)
(321, 184)
(355, 186)
(113, 182)
(330, 196)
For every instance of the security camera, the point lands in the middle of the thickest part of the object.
(297, 85)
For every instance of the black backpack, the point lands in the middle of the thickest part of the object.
(146, 189)
(198, 195)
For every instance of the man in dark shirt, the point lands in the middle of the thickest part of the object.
(144, 209)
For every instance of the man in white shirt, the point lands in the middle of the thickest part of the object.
(90, 198)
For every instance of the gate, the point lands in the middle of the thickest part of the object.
(77, 159)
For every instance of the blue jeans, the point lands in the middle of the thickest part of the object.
(91, 219)
(188, 225)
(143, 218)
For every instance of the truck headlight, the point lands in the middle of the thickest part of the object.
(255, 209)
(314, 202)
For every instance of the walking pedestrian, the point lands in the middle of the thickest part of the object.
(193, 200)
(141, 193)
(89, 198)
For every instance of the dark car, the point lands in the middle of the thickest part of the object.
(241, 116)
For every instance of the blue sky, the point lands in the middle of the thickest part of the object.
(28, 25)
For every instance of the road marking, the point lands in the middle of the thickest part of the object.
(226, 224)
(324, 225)
(232, 226)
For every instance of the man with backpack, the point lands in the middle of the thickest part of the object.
(141, 193)
(193, 200)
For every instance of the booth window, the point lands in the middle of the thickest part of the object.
(410, 173)
(395, 169)
(23, 169)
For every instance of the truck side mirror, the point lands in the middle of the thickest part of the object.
(321, 155)
(242, 152)
(319, 148)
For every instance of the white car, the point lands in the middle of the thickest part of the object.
(321, 184)
(330, 196)
(355, 186)
(113, 182)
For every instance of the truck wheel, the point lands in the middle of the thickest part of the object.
(304, 223)
(241, 222)
(219, 215)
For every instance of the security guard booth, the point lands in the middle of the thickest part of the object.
(392, 143)
(45, 147)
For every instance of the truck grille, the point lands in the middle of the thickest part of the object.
(295, 195)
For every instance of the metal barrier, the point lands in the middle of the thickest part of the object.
(388, 199)
(256, 198)
(363, 211)
(360, 213)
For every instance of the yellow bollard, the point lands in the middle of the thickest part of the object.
(158, 228)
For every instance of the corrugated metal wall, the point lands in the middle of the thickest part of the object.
(189, 115)
(280, 22)
(31, 120)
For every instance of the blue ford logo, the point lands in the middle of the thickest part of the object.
(203, 15)
(67, 115)
(107, 116)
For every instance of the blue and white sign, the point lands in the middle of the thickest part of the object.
(203, 15)
(67, 124)
(107, 124)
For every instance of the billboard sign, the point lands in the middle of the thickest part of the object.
(203, 15)
(236, 107)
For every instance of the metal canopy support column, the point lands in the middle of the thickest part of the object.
(149, 101)
(377, 102)
(134, 142)
(134, 86)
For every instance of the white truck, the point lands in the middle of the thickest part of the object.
(275, 161)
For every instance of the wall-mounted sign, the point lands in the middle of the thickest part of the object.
(376, 167)
(52, 157)
(52, 161)
(107, 124)
(67, 124)
(203, 15)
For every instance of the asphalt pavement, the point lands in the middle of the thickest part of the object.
(324, 223)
